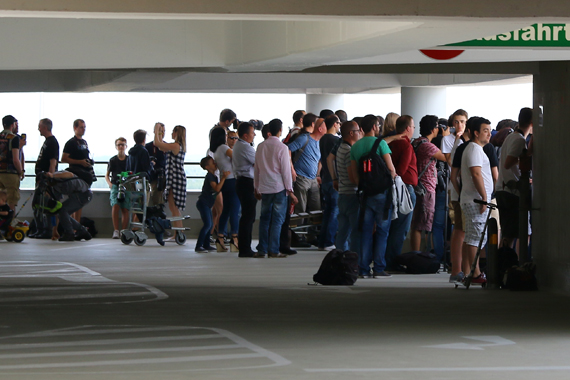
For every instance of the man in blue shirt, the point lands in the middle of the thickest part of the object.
(306, 156)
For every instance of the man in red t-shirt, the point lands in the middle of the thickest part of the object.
(405, 163)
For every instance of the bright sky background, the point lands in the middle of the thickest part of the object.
(110, 115)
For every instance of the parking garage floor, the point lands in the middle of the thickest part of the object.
(103, 310)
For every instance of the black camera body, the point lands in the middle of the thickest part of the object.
(257, 124)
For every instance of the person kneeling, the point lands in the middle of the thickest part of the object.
(78, 193)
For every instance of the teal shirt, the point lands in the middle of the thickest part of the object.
(363, 146)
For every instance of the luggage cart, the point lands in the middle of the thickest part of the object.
(136, 187)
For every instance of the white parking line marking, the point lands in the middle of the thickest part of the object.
(74, 274)
(119, 352)
(146, 348)
(74, 332)
(463, 369)
(492, 341)
(132, 361)
(73, 297)
(107, 341)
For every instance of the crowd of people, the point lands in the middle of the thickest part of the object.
(318, 165)
(321, 164)
(162, 162)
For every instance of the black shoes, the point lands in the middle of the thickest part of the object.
(288, 251)
(66, 237)
(82, 234)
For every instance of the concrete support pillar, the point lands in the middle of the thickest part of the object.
(420, 101)
(551, 206)
(318, 102)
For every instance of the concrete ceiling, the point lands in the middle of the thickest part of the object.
(78, 46)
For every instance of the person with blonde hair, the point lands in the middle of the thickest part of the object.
(390, 124)
(175, 191)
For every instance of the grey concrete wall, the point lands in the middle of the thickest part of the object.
(551, 205)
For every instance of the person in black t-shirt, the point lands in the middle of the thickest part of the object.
(329, 193)
(46, 163)
(117, 165)
(76, 154)
(206, 200)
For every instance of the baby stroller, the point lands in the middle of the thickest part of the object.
(153, 218)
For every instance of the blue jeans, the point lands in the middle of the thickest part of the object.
(273, 209)
(231, 208)
(439, 225)
(348, 236)
(399, 229)
(330, 214)
(373, 244)
(208, 221)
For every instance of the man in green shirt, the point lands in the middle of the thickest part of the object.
(373, 210)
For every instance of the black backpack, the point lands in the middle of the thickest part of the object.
(373, 175)
(507, 258)
(418, 262)
(338, 268)
(90, 225)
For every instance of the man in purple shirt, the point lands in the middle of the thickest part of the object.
(272, 182)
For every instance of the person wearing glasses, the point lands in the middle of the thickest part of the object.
(117, 165)
(347, 236)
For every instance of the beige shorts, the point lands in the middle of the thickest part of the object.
(11, 183)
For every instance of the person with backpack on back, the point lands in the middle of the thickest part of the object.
(11, 170)
(370, 160)
(297, 125)
(426, 154)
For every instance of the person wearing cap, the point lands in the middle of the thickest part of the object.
(11, 170)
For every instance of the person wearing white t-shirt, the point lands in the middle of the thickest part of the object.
(449, 145)
(506, 190)
(477, 183)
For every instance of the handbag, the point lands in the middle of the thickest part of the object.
(401, 197)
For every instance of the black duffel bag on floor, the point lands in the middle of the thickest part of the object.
(418, 262)
(338, 268)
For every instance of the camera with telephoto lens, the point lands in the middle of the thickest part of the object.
(257, 124)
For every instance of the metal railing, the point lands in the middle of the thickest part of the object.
(194, 175)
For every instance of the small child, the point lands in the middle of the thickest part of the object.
(206, 201)
(6, 213)
(117, 165)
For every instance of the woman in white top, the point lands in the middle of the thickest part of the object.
(223, 157)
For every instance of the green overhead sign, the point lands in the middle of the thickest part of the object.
(537, 35)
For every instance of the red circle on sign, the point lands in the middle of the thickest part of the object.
(442, 55)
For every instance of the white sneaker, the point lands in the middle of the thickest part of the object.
(116, 234)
